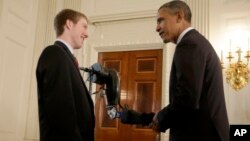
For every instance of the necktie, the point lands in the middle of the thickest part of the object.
(76, 62)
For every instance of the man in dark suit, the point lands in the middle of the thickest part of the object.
(66, 110)
(196, 111)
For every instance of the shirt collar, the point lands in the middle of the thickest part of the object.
(183, 33)
(67, 45)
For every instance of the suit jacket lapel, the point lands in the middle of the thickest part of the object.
(60, 44)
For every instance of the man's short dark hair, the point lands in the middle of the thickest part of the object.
(63, 16)
(176, 6)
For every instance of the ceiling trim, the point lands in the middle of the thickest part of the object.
(128, 47)
(123, 16)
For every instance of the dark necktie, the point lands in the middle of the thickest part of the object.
(75, 61)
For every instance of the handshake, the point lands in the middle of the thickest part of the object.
(129, 116)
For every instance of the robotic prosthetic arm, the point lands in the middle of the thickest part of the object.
(111, 82)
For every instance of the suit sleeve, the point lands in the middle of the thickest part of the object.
(57, 93)
(189, 65)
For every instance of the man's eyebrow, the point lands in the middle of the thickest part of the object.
(159, 19)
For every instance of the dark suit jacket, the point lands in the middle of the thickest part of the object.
(197, 110)
(66, 111)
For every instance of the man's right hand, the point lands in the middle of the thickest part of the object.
(154, 125)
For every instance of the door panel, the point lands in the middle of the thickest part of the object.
(144, 87)
(140, 77)
(107, 129)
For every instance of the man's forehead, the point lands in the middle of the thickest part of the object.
(160, 13)
(83, 20)
(163, 11)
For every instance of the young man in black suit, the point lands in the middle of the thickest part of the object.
(66, 111)
(196, 111)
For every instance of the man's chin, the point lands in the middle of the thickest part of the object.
(78, 47)
(166, 41)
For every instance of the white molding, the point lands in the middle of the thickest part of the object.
(123, 16)
(127, 47)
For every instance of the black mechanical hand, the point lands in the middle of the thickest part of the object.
(129, 116)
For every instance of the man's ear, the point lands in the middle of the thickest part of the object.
(68, 24)
(180, 16)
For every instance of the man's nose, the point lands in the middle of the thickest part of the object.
(86, 34)
(157, 28)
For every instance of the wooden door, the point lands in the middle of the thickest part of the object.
(140, 77)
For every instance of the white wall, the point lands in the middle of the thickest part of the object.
(227, 16)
